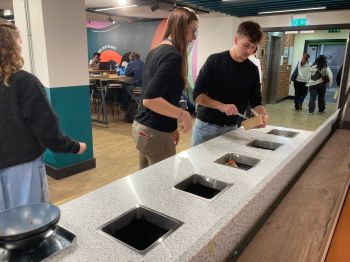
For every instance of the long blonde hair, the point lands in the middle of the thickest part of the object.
(177, 25)
(10, 51)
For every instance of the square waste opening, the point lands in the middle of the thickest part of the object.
(141, 228)
(257, 143)
(238, 161)
(278, 132)
(203, 186)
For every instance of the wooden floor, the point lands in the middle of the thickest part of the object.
(116, 155)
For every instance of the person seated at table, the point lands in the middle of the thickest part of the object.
(95, 61)
(134, 70)
(113, 64)
(125, 59)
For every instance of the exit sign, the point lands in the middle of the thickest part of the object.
(299, 21)
(333, 30)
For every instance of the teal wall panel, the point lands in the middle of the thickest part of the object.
(72, 106)
(124, 37)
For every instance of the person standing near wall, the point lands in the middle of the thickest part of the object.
(227, 83)
(319, 76)
(27, 127)
(164, 79)
(299, 77)
(256, 62)
(338, 79)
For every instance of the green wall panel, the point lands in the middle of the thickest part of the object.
(72, 106)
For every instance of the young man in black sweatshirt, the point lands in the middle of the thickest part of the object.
(227, 83)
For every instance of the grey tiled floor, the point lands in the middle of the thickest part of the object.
(283, 114)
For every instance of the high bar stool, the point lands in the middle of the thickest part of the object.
(113, 87)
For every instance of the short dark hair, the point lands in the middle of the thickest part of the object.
(250, 29)
(134, 56)
(97, 53)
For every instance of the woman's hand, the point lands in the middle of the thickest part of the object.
(176, 137)
(82, 148)
(185, 121)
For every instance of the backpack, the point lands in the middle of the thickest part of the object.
(316, 75)
(325, 77)
(295, 73)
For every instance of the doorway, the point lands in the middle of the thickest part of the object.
(334, 51)
(273, 65)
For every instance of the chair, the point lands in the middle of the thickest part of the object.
(111, 96)
(136, 95)
(96, 96)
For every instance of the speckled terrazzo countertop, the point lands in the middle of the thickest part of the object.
(211, 227)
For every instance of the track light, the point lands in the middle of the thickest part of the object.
(154, 7)
(292, 10)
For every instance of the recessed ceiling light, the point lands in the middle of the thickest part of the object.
(307, 31)
(121, 2)
(291, 32)
(116, 7)
(292, 10)
(7, 12)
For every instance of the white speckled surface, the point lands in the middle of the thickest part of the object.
(211, 229)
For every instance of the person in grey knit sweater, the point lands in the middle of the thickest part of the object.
(28, 126)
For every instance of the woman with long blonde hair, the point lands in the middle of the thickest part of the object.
(28, 126)
(164, 78)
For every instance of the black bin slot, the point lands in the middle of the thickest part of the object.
(257, 143)
(139, 233)
(238, 161)
(279, 132)
(202, 186)
(243, 166)
(141, 228)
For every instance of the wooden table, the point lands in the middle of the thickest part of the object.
(98, 71)
(105, 80)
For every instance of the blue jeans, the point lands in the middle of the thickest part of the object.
(202, 131)
(320, 91)
(23, 184)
